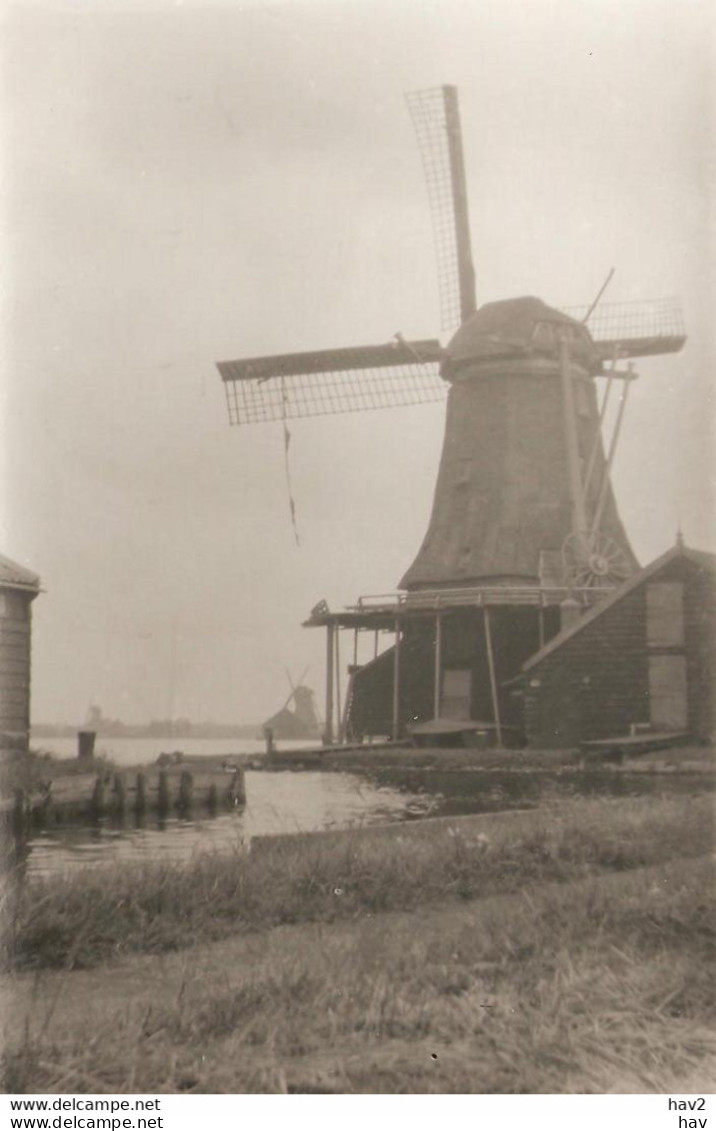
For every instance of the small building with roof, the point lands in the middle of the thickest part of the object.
(644, 658)
(18, 589)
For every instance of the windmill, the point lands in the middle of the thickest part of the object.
(523, 494)
(302, 721)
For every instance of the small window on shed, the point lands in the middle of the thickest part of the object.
(665, 614)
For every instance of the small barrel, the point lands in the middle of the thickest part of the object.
(85, 745)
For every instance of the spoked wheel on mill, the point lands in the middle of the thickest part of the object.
(594, 562)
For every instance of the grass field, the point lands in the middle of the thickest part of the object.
(95, 916)
(564, 951)
(592, 986)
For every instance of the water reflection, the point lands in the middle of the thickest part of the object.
(276, 803)
(289, 802)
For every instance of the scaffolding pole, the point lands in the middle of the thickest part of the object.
(396, 683)
(493, 681)
(438, 660)
(328, 735)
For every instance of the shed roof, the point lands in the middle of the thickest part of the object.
(700, 558)
(14, 576)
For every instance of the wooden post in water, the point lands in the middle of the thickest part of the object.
(186, 791)
(98, 803)
(119, 794)
(237, 788)
(140, 800)
(163, 793)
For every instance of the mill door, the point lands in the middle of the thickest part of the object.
(667, 692)
(456, 693)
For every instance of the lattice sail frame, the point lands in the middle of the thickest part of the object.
(429, 114)
(328, 382)
(326, 394)
(634, 329)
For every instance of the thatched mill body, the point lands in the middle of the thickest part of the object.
(524, 530)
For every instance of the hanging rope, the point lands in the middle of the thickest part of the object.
(286, 446)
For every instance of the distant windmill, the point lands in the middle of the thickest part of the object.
(523, 491)
(302, 722)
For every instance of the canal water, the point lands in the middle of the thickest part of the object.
(290, 801)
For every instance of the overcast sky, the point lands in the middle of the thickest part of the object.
(184, 183)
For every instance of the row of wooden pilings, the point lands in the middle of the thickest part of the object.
(119, 794)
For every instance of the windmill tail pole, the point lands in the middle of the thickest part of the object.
(579, 523)
(610, 458)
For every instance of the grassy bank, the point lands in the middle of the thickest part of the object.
(593, 985)
(693, 759)
(100, 915)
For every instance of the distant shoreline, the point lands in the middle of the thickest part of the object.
(150, 730)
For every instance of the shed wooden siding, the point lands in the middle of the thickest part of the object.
(700, 632)
(597, 683)
(515, 634)
(15, 638)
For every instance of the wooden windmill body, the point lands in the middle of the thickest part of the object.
(524, 520)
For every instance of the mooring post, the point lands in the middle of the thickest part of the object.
(99, 796)
(119, 794)
(186, 790)
(237, 788)
(140, 800)
(85, 745)
(163, 792)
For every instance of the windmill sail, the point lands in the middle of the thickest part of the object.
(436, 118)
(634, 329)
(523, 468)
(332, 381)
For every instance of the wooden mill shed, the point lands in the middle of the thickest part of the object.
(643, 657)
(18, 589)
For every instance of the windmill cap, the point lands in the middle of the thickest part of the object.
(516, 327)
